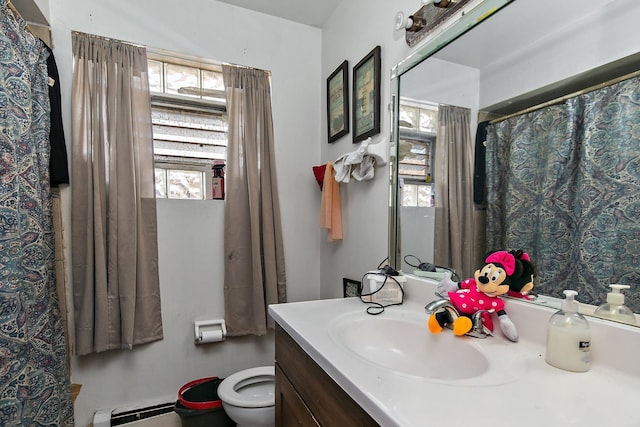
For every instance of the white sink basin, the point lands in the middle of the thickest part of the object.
(402, 343)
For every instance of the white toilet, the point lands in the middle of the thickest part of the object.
(248, 396)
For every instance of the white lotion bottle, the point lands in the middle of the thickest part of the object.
(569, 337)
(614, 308)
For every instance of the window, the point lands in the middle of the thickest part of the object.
(189, 125)
(417, 195)
(418, 125)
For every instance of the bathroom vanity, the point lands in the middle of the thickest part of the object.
(306, 395)
(337, 365)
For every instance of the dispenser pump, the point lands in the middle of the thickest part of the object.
(614, 308)
(569, 304)
(615, 296)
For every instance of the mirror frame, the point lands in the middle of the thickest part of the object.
(471, 15)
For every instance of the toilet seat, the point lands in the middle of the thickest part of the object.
(227, 388)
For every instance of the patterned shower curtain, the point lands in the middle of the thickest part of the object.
(34, 380)
(563, 183)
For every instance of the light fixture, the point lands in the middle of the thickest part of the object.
(401, 21)
(438, 3)
(414, 23)
(409, 23)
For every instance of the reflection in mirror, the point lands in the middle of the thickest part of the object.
(563, 182)
(543, 58)
(416, 201)
(449, 174)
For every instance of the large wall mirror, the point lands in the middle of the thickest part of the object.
(527, 75)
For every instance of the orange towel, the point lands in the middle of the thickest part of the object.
(330, 211)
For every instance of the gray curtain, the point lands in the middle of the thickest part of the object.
(563, 184)
(254, 273)
(455, 242)
(114, 235)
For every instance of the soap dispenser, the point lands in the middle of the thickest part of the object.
(569, 337)
(614, 308)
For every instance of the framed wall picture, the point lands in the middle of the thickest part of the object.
(366, 96)
(352, 288)
(338, 103)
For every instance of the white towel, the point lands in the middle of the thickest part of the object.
(341, 169)
(356, 163)
(364, 170)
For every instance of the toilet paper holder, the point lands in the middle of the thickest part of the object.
(207, 331)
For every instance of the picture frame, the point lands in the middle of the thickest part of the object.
(338, 103)
(351, 288)
(366, 96)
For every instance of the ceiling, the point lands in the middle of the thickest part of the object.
(515, 26)
(30, 11)
(512, 29)
(308, 12)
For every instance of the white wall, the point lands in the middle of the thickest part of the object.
(351, 32)
(418, 244)
(190, 233)
(355, 28)
(606, 34)
(442, 82)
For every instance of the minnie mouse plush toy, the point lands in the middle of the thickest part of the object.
(480, 292)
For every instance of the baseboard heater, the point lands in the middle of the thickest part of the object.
(112, 418)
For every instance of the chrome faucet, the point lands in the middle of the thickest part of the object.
(439, 304)
(477, 330)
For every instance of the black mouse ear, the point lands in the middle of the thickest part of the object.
(517, 254)
(528, 267)
(517, 272)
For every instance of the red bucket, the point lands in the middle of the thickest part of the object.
(200, 394)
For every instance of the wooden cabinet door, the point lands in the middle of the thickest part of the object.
(325, 402)
(291, 410)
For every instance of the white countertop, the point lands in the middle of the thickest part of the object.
(540, 395)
